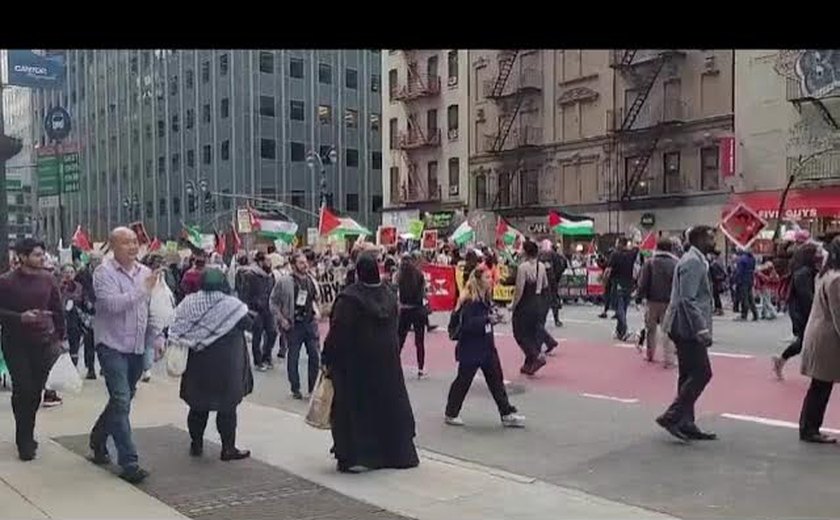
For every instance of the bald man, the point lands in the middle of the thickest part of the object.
(122, 286)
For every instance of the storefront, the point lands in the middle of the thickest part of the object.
(814, 209)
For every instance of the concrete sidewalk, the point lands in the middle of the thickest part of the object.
(60, 484)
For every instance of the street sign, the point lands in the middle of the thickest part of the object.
(742, 226)
(50, 202)
(70, 172)
(57, 172)
(47, 172)
(57, 124)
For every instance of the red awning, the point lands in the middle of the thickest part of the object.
(800, 204)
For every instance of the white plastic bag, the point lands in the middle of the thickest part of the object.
(176, 358)
(64, 376)
(161, 306)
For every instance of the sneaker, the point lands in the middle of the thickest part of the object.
(422, 374)
(91, 375)
(134, 474)
(453, 421)
(261, 367)
(297, 395)
(147, 376)
(432, 328)
(269, 366)
(603, 315)
(778, 366)
(513, 420)
(51, 399)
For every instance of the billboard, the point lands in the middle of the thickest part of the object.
(27, 69)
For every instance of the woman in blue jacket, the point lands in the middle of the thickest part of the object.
(476, 349)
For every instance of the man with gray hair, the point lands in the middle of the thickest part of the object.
(123, 289)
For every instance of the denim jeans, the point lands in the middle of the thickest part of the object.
(768, 310)
(622, 301)
(122, 371)
(303, 333)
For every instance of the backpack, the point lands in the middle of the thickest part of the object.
(454, 327)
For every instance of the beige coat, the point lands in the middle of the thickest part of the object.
(821, 344)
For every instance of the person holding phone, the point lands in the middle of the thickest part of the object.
(32, 318)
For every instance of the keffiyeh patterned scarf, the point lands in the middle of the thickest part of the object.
(204, 317)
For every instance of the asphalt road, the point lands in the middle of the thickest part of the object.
(590, 422)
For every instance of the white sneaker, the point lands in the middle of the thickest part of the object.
(453, 421)
(513, 420)
(147, 376)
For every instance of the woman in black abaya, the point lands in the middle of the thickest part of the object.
(372, 421)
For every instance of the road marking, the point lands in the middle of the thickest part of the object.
(731, 355)
(611, 398)
(771, 422)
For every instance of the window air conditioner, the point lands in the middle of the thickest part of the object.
(453, 80)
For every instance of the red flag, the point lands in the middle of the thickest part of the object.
(220, 245)
(553, 219)
(81, 240)
(592, 248)
(155, 245)
(236, 241)
(328, 222)
(649, 243)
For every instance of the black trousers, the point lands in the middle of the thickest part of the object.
(264, 333)
(414, 318)
(225, 423)
(29, 365)
(529, 332)
(76, 334)
(813, 407)
(493, 376)
(716, 296)
(554, 303)
(745, 296)
(793, 349)
(695, 372)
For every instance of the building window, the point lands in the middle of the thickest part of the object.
(205, 72)
(392, 133)
(452, 67)
(392, 84)
(352, 202)
(325, 114)
(394, 175)
(296, 68)
(266, 62)
(161, 128)
(298, 198)
(480, 190)
(504, 189)
(431, 123)
(190, 79)
(376, 203)
(351, 79)
(161, 165)
(432, 179)
(452, 122)
(530, 187)
(671, 172)
(148, 168)
(351, 118)
(376, 160)
(162, 208)
(190, 118)
(374, 122)
(176, 205)
(352, 158)
(709, 168)
(375, 82)
(630, 164)
(176, 126)
(267, 106)
(225, 108)
(223, 64)
(207, 154)
(268, 148)
(225, 151)
(173, 85)
(296, 111)
(191, 158)
(325, 73)
(150, 209)
(191, 203)
(432, 68)
(297, 151)
(176, 162)
(454, 177)
(205, 113)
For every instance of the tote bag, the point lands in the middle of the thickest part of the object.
(320, 403)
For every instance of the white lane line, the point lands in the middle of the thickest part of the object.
(771, 422)
(731, 355)
(611, 398)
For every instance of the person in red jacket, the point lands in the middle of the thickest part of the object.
(191, 281)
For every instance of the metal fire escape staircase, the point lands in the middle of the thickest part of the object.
(647, 84)
(414, 129)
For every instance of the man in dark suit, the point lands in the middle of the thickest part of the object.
(688, 321)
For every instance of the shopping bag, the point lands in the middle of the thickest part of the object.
(176, 358)
(64, 376)
(161, 306)
(320, 403)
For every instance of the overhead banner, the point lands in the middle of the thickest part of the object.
(27, 69)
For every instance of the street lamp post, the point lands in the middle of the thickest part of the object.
(132, 206)
(203, 187)
(311, 159)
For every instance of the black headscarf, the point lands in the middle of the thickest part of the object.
(367, 269)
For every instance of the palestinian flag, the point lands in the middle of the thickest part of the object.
(275, 228)
(506, 235)
(332, 225)
(193, 236)
(463, 234)
(155, 245)
(563, 223)
(81, 240)
(648, 245)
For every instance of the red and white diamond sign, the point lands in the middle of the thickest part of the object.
(742, 225)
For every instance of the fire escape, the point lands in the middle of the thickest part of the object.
(510, 89)
(641, 137)
(418, 86)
